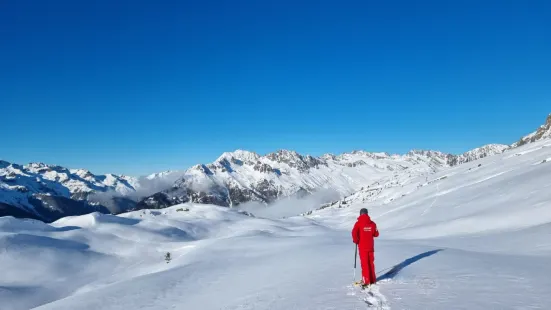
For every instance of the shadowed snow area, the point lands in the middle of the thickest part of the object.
(475, 236)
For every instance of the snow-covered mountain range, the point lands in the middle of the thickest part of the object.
(472, 236)
(242, 176)
(49, 192)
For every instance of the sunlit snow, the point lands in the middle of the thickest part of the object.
(475, 236)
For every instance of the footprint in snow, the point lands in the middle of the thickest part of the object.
(375, 299)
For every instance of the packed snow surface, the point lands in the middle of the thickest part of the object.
(475, 236)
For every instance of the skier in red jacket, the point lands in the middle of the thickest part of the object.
(362, 234)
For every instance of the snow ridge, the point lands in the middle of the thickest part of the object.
(543, 132)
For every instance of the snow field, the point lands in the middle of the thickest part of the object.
(475, 236)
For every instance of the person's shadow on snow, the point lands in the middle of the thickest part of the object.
(397, 268)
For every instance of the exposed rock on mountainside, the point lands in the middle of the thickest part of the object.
(478, 153)
(241, 176)
(544, 132)
(48, 192)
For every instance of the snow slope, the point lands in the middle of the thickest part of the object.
(497, 185)
(473, 236)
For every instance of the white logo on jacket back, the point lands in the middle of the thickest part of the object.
(367, 228)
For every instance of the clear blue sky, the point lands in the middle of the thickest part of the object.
(131, 87)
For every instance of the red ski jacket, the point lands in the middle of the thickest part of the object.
(363, 233)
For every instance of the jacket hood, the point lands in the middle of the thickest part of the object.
(364, 217)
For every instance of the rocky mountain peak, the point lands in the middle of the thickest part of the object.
(329, 156)
(241, 155)
(201, 169)
(543, 132)
(83, 173)
(374, 155)
(488, 148)
(477, 153)
(295, 160)
(545, 129)
(427, 153)
(4, 164)
(37, 167)
(284, 155)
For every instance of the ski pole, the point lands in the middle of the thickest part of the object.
(355, 257)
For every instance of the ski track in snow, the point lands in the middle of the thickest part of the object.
(441, 193)
(432, 203)
(545, 161)
(525, 152)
